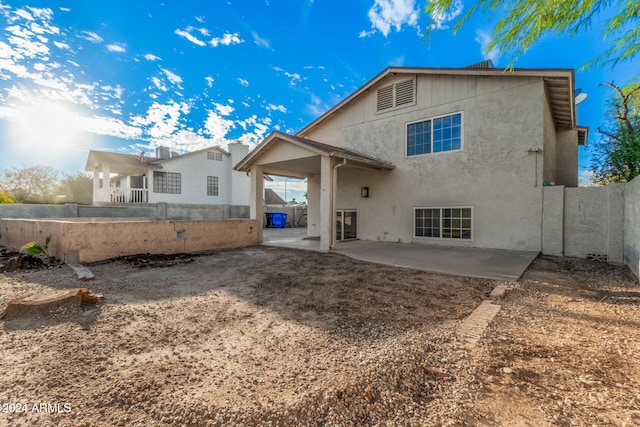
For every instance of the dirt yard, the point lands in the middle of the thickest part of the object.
(266, 336)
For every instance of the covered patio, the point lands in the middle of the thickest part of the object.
(286, 155)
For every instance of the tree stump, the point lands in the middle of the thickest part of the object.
(33, 306)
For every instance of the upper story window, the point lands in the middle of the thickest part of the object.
(214, 155)
(400, 94)
(435, 135)
(167, 182)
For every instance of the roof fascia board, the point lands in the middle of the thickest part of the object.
(245, 163)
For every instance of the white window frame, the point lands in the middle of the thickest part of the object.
(431, 119)
(441, 228)
(167, 182)
(214, 186)
(394, 105)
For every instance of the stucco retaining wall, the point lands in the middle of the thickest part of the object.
(95, 239)
(632, 225)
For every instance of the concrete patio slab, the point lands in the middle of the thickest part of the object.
(485, 263)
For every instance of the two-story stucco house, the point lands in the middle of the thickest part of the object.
(449, 156)
(201, 177)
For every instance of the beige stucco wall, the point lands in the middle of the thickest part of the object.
(88, 240)
(567, 158)
(502, 118)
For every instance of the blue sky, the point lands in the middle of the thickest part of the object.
(128, 76)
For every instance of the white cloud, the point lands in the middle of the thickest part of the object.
(65, 9)
(172, 77)
(484, 38)
(152, 57)
(209, 80)
(317, 106)
(162, 120)
(91, 36)
(41, 13)
(294, 77)
(158, 83)
(441, 17)
(61, 45)
(224, 110)
(260, 41)
(111, 127)
(217, 127)
(385, 14)
(281, 108)
(187, 35)
(24, 14)
(226, 40)
(116, 47)
(243, 82)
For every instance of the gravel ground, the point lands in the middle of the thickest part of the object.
(269, 336)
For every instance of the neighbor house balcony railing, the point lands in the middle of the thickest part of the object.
(133, 195)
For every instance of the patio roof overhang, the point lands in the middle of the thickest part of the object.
(286, 155)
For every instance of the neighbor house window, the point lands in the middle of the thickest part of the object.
(166, 182)
(213, 155)
(212, 186)
(397, 95)
(435, 135)
(443, 223)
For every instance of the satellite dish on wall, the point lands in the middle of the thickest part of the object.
(580, 97)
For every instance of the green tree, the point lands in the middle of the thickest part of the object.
(524, 22)
(30, 183)
(617, 153)
(77, 188)
(4, 198)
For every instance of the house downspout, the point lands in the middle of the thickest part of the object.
(334, 201)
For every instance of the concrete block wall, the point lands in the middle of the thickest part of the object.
(594, 222)
(632, 225)
(160, 211)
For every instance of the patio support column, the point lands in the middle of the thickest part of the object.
(96, 186)
(256, 198)
(326, 203)
(106, 183)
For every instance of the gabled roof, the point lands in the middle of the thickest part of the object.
(272, 198)
(314, 146)
(129, 164)
(191, 153)
(559, 84)
(119, 163)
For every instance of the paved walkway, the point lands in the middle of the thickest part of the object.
(461, 261)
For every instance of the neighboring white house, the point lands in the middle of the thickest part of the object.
(449, 156)
(201, 177)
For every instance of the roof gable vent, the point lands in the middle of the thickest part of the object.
(404, 92)
(396, 95)
(385, 98)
